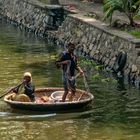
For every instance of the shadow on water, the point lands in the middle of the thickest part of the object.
(24, 115)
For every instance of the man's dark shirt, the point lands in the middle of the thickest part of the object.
(67, 56)
(29, 90)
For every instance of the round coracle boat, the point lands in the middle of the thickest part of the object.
(49, 99)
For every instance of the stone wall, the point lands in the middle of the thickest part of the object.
(32, 14)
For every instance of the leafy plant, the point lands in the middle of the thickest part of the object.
(92, 15)
(50, 1)
(96, 77)
(129, 7)
(87, 63)
(135, 33)
(138, 10)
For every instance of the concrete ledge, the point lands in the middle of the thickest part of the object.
(102, 26)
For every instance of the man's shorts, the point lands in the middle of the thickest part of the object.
(68, 84)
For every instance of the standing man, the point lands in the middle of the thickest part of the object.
(68, 62)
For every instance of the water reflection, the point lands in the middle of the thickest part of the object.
(68, 129)
(120, 83)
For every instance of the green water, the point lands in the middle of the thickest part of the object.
(114, 114)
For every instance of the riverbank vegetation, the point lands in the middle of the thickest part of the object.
(50, 1)
(130, 8)
(98, 72)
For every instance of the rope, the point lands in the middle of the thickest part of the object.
(86, 84)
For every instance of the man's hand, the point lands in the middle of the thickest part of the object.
(66, 62)
(80, 71)
(13, 89)
(58, 64)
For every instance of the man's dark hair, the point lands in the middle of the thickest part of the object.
(70, 44)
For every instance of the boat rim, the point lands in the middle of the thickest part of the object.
(91, 97)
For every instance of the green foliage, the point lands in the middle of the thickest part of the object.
(102, 79)
(95, 71)
(99, 67)
(129, 7)
(44, 1)
(109, 79)
(96, 77)
(92, 15)
(50, 1)
(91, 64)
(138, 9)
(87, 63)
(135, 33)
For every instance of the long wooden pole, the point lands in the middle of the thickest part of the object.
(10, 90)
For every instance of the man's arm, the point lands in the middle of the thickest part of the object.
(62, 61)
(80, 70)
(29, 87)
